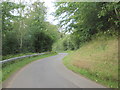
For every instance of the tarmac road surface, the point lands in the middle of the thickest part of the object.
(48, 73)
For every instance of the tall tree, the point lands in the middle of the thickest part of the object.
(88, 18)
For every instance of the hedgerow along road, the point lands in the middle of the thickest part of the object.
(48, 73)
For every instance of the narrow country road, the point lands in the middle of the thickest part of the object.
(48, 73)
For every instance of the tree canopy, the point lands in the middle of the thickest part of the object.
(87, 19)
(25, 28)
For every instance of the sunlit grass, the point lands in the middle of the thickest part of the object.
(68, 51)
(97, 60)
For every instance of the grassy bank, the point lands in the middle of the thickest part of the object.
(97, 60)
(12, 67)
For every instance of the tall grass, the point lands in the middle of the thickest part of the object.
(97, 60)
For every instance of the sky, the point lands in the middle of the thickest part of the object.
(50, 8)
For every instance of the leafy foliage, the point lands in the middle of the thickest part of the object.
(87, 19)
(25, 28)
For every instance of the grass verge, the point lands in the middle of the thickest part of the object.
(11, 67)
(16, 55)
(97, 60)
(68, 51)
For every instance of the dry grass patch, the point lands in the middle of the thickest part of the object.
(100, 58)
